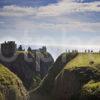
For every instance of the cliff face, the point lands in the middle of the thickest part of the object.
(45, 60)
(23, 69)
(44, 91)
(69, 84)
(91, 91)
(25, 65)
(68, 80)
(11, 87)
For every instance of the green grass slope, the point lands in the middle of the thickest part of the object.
(84, 59)
(91, 90)
(11, 88)
(85, 67)
(69, 77)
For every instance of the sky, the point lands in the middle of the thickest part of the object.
(54, 23)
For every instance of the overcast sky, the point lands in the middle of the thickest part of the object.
(58, 23)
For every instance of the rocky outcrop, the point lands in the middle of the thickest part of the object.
(22, 68)
(29, 65)
(45, 62)
(70, 82)
(90, 91)
(24, 65)
(11, 87)
(46, 87)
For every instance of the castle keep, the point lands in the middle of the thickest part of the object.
(8, 48)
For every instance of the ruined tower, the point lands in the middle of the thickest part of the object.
(8, 48)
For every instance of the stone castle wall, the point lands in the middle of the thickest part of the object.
(8, 48)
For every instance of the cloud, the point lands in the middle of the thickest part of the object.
(53, 21)
(68, 7)
(17, 11)
(59, 27)
(56, 9)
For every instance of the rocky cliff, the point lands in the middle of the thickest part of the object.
(70, 80)
(44, 91)
(24, 65)
(11, 87)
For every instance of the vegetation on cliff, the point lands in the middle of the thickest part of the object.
(25, 67)
(73, 76)
(91, 91)
(68, 80)
(85, 59)
(44, 91)
(11, 87)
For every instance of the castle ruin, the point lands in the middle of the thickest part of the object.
(43, 49)
(8, 48)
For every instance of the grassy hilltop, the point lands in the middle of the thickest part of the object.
(84, 59)
(74, 76)
(86, 67)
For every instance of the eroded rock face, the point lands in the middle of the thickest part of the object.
(11, 87)
(47, 85)
(62, 83)
(90, 91)
(45, 62)
(24, 66)
(66, 85)
(70, 82)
